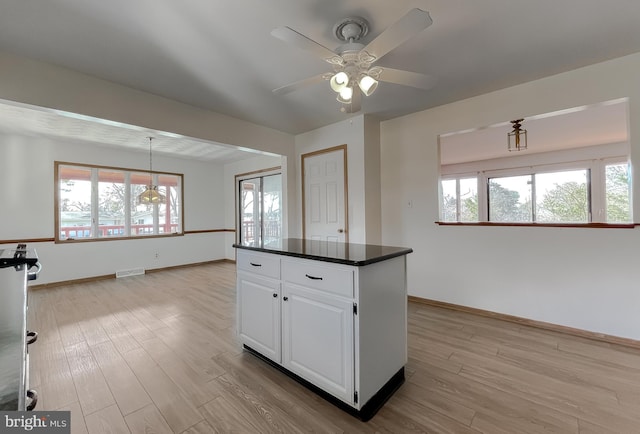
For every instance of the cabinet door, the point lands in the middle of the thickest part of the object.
(259, 314)
(318, 339)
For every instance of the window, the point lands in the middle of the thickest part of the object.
(260, 209)
(575, 170)
(95, 202)
(510, 199)
(562, 197)
(541, 194)
(552, 197)
(617, 193)
(460, 200)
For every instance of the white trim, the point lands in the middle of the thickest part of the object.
(257, 175)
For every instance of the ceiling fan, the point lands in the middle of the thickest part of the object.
(352, 61)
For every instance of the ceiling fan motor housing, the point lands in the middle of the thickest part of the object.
(351, 29)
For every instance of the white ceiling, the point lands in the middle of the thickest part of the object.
(574, 127)
(40, 122)
(219, 55)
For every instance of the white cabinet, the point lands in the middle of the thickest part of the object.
(317, 333)
(258, 312)
(340, 327)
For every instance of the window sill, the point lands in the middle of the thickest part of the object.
(546, 225)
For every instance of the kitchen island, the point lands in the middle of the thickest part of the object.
(331, 315)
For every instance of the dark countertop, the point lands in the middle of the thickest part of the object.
(339, 253)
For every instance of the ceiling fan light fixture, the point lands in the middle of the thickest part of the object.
(345, 94)
(339, 81)
(352, 74)
(367, 84)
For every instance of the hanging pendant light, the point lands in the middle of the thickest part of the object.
(151, 195)
(517, 138)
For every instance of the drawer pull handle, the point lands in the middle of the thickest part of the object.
(255, 265)
(33, 275)
(313, 277)
(33, 337)
(33, 395)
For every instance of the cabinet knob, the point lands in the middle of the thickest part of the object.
(285, 298)
(340, 231)
(275, 295)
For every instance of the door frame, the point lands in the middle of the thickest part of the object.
(237, 178)
(342, 148)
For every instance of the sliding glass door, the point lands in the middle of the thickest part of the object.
(260, 211)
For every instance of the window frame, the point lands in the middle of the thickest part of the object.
(94, 202)
(262, 173)
(457, 178)
(596, 189)
(534, 170)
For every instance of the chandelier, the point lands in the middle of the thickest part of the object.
(151, 195)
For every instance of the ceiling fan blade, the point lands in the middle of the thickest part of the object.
(412, 23)
(407, 78)
(356, 102)
(299, 84)
(292, 37)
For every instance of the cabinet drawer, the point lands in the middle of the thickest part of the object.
(261, 264)
(332, 279)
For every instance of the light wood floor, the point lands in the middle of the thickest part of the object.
(157, 354)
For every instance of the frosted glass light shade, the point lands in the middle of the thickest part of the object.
(345, 95)
(339, 81)
(368, 84)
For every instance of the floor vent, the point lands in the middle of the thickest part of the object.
(130, 272)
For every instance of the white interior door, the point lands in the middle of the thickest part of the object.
(325, 194)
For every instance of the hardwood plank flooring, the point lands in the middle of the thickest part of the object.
(157, 353)
(147, 420)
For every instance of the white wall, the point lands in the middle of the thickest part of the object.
(371, 159)
(246, 166)
(46, 85)
(576, 277)
(27, 210)
(360, 134)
